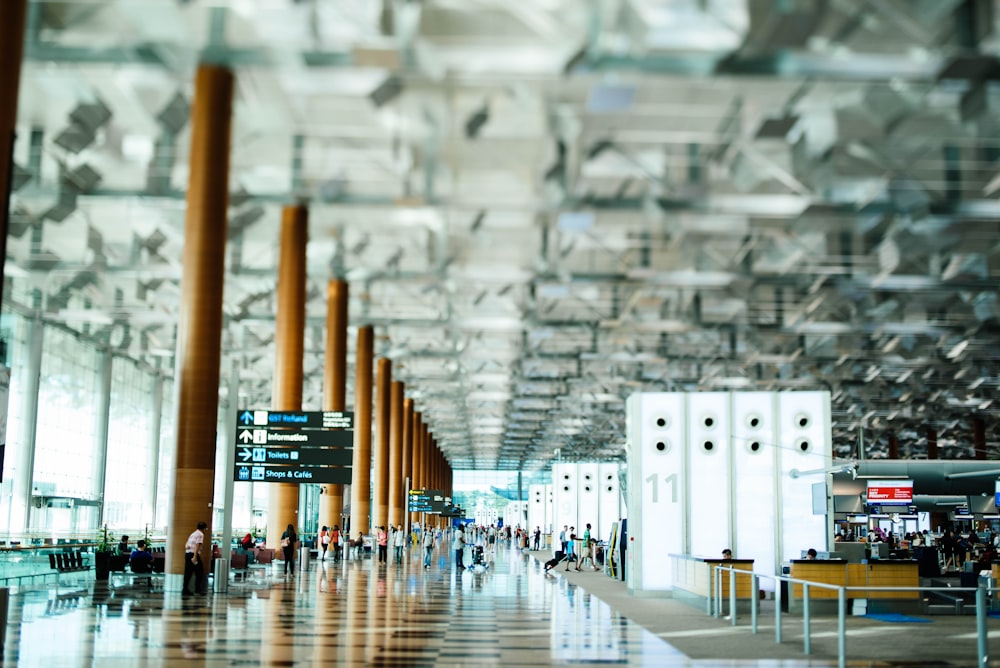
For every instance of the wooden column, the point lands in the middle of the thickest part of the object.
(396, 493)
(380, 515)
(361, 484)
(407, 452)
(199, 331)
(12, 16)
(331, 507)
(421, 458)
(893, 445)
(979, 437)
(932, 443)
(415, 427)
(289, 345)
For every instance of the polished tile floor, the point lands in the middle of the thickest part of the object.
(350, 613)
(360, 612)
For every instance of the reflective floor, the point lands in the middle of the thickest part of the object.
(360, 612)
(351, 613)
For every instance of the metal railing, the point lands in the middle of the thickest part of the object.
(982, 592)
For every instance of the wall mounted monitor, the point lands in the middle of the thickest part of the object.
(890, 492)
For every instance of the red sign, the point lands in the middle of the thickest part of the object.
(890, 491)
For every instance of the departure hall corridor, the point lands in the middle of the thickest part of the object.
(355, 612)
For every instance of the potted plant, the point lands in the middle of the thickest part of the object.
(102, 555)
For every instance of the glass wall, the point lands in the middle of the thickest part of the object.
(75, 484)
(127, 497)
(65, 484)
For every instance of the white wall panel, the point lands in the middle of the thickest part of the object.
(656, 498)
(549, 523)
(564, 492)
(754, 449)
(708, 472)
(609, 493)
(588, 507)
(536, 506)
(804, 440)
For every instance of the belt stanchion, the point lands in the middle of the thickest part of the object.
(732, 596)
(841, 627)
(754, 602)
(982, 647)
(777, 611)
(806, 644)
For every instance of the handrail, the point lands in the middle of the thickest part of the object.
(982, 647)
(60, 546)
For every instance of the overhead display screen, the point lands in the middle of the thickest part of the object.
(890, 492)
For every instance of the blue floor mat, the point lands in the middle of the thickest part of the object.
(896, 618)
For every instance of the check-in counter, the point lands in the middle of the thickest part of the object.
(876, 573)
(694, 577)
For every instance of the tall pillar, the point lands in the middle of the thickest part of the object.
(406, 472)
(361, 484)
(24, 455)
(418, 459)
(334, 386)
(979, 437)
(199, 330)
(153, 460)
(396, 453)
(893, 446)
(289, 350)
(380, 516)
(100, 475)
(12, 15)
(932, 443)
(415, 423)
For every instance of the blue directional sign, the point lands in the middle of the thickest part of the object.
(296, 419)
(314, 438)
(277, 456)
(327, 475)
(294, 446)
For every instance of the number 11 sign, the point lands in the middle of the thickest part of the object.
(655, 488)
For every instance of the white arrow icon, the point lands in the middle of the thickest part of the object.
(246, 454)
(246, 435)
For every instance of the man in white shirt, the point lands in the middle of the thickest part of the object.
(192, 561)
(458, 544)
(427, 538)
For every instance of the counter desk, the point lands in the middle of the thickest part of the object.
(694, 578)
(876, 573)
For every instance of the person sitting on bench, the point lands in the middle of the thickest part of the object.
(141, 559)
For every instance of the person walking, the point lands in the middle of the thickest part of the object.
(586, 550)
(562, 538)
(427, 540)
(383, 545)
(398, 543)
(458, 544)
(192, 561)
(336, 540)
(570, 551)
(288, 540)
(324, 542)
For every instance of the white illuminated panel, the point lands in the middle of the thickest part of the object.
(610, 495)
(656, 495)
(564, 495)
(536, 507)
(804, 445)
(550, 526)
(754, 450)
(588, 506)
(708, 466)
